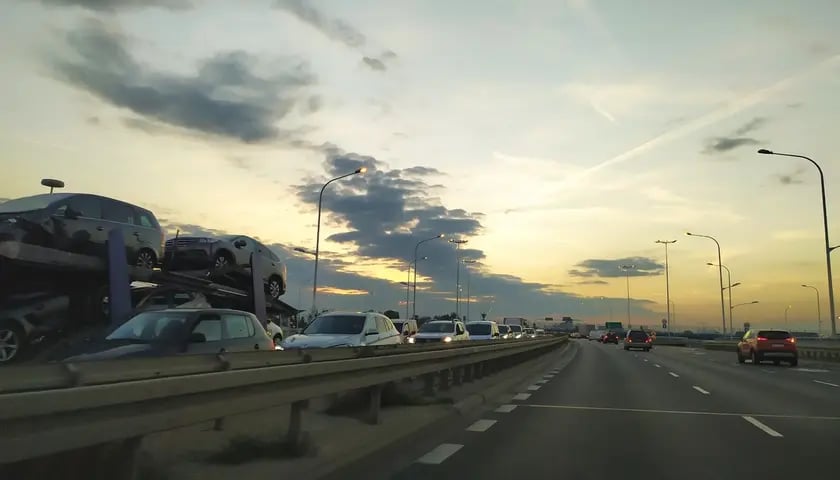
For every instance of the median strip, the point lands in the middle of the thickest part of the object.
(764, 428)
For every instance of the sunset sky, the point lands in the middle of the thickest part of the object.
(560, 138)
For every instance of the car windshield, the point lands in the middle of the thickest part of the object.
(529, 331)
(479, 328)
(150, 327)
(28, 204)
(437, 327)
(398, 325)
(516, 329)
(774, 334)
(504, 329)
(336, 325)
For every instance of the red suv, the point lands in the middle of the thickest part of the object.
(775, 345)
(610, 337)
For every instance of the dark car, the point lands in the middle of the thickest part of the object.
(775, 345)
(220, 253)
(79, 223)
(26, 319)
(638, 339)
(178, 332)
(610, 337)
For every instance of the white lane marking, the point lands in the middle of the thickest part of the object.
(506, 408)
(440, 453)
(541, 382)
(762, 427)
(481, 425)
(645, 359)
(812, 370)
(554, 372)
(657, 365)
(678, 412)
(534, 388)
(827, 383)
(771, 372)
(551, 375)
(673, 374)
(636, 355)
(704, 392)
(522, 396)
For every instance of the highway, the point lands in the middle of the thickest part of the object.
(671, 413)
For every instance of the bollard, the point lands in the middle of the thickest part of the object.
(375, 405)
(444, 380)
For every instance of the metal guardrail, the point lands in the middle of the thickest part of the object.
(670, 341)
(49, 409)
(827, 353)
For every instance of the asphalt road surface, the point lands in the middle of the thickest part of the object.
(672, 413)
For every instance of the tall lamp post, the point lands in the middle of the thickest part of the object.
(720, 276)
(458, 242)
(742, 304)
(318, 234)
(667, 282)
(819, 314)
(468, 261)
(627, 269)
(828, 247)
(414, 300)
(408, 282)
(786, 315)
(729, 288)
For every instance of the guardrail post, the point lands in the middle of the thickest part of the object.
(468, 373)
(375, 405)
(457, 376)
(479, 370)
(429, 384)
(294, 436)
(444, 380)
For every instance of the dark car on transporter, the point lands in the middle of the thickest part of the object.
(79, 223)
(223, 252)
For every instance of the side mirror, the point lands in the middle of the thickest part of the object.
(239, 243)
(197, 337)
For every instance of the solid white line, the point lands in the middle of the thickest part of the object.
(506, 408)
(673, 374)
(522, 396)
(481, 425)
(534, 388)
(657, 365)
(440, 453)
(826, 383)
(762, 427)
(678, 412)
(704, 392)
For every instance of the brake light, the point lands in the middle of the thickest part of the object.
(762, 339)
(629, 340)
(647, 341)
(790, 340)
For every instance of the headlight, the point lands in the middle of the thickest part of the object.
(410, 339)
(447, 339)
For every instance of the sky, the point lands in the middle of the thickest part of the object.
(561, 139)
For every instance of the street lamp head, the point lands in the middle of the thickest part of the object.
(764, 151)
(424, 258)
(441, 235)
(736, 284)
(361, 170)
(711, 264)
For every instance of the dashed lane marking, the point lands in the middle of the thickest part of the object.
(506, 408)
(481, 425)
(678, 412)
(522, 396)
(827, 383)
(440, 453)
(534, 388)
(657, 365)
(764, 428)
(673, 374)
(645, 359)
(704, 392)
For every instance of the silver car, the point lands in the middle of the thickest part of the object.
(346, 329)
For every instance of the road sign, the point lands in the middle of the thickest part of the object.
(664, 323)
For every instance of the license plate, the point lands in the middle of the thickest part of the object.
(778, 345)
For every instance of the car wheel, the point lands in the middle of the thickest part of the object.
(12, 342)
(275, 289)
(741, 358)
(146, 259)
(221, 261)
(278, 339)
(755, 359)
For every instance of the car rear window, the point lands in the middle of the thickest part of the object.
(638, 335)
(478, 328)
(774, 334)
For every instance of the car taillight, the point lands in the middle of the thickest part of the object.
(762, 339)
(629, 340)
(647, 341)
(790, 340)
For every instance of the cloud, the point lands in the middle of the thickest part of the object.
(333, 28)
(644, 267)
(226, 97)
(113, 5)
(4, 200)
(593, 282)
(736, 139)
(375, 64)
(793, 178)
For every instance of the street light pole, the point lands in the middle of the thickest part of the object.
(819, 314)
(627, 269)
(667, 283)
(786, 315)
(468, 261)
(408, 288)
(720, 276)
(828, 247)
(318, 233)
(414, 300)
(729, 288)
(458, 243)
